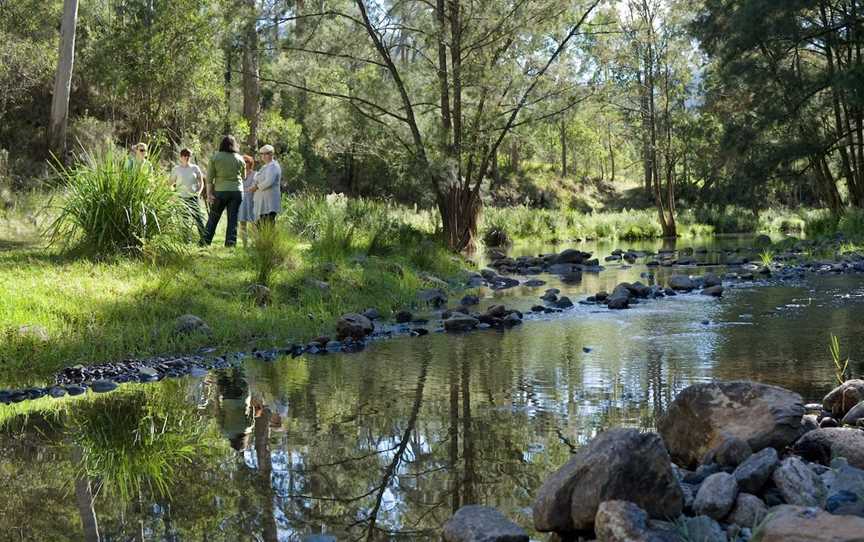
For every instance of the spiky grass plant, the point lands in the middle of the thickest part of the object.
(767, 257)
(271, 249)
(108, 208)
(841, 364)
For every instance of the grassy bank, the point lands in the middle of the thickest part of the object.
(96, 311)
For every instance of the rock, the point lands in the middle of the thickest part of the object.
(260, 293)
(801, 524)
(372, 313)
(189, 324)
(716, 496)
(403, 317)
(827, 422)
(475, 523)
(841, 399)
(353, 325)
(573, 277)
(843, 481)
(75, 390)
(460, 322)
(563, 303)
(319, 285)
(572, 256)
(512, 319)
(623, 521)
(56, 392)
(497, 311)
(710, 280)
(433, 296)
(620, 298)
(102, 386)
(470, 301)
(682, 282)
(731, 452)
(617, 464)
(149, 373)
(713, 291)
(749, 511)
(752, 474)
(703, 415)
(822, 445)
(809, 422)
(702, 529)
(798, 484)
(855, 414)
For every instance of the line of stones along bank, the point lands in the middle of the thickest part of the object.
(733, 461)
(354, 330)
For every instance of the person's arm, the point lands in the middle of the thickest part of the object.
(268, 177)
(208, 183)
(172, 178)
(199, 176)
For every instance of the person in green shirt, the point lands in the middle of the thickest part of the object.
(225, 189)
(138, 159)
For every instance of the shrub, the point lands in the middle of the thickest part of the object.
(107, 208)
(271, 248)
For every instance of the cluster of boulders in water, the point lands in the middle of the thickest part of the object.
(731, 461)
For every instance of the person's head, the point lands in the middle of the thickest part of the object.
(141, 151)
(266, 153)
(185, 156)
(250, 162)
(229, 144)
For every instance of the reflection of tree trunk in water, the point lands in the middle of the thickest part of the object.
(400, 451)
(468, 496)
(454, 433)
(265, 468)
(84, 497)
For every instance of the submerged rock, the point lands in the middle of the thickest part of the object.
(475, 523)
(703, 415)
(617, 464)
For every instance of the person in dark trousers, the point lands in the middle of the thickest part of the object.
(188, 180)
(225, 189)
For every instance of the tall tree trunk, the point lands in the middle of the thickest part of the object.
(563, 128)
(63, 79)
(265, 470)
(611, 153)
(251, 82)
(84, 497)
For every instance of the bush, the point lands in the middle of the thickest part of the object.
(271, 249)
(107, 209)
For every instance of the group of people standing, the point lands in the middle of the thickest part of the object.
(232, 184)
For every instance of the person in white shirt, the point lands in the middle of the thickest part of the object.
(267, 190)
(188, 180)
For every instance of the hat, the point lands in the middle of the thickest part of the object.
(266, 149)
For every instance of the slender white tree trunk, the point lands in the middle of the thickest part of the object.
(63, 79)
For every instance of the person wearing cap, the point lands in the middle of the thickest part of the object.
(267, 190)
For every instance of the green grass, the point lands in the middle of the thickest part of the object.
(110, 309)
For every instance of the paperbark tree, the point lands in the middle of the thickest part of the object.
(63, 79)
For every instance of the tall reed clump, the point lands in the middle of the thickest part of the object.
(271, 249)
(108, 208)
(841, 364)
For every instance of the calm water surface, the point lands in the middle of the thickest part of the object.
(387, 443)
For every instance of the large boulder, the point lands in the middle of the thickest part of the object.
(623, 521)
(475, 523)
(823, 445)
(841, 399)
(353, 325)
(572, 256)
(617, 464)
(703, 415)
(620, 298)
(789, 523)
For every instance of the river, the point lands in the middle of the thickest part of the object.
(387, 443)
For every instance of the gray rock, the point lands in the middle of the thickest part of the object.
(372, 313)
(33, 333)
(103, 386)
(762, 241)
(56, 392)
(682, 283)
(749, 511)
(752, 474)
(470, 300)
(475, 523)
(855, 415)
(798, 484)
(319, 285)
(189, 324)
(731, 452)
(403, 317)
(572, 256)
(702, 529)
(801, 524)
(433, 296)
(617, 464)
(716, 496)
(703, 415)
(841, 399)
(460, 322)
(710, 279)
(355, 326)
(713, 291)
(260, 294)
(809, 422)
(623, 521)
(825, 444)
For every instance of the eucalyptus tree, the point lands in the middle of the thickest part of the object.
(63, 78)
(447, 81)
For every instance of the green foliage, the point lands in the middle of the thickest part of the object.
(767, 257)
(841, 364)
(271, 249)
(107, 208)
